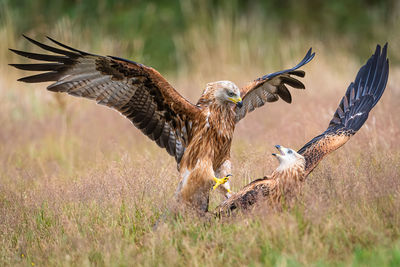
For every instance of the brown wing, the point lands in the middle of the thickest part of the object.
(361, 96)
(138, 92)
(270, 87)
(249, 195)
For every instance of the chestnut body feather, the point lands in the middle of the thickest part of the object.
(280, 183)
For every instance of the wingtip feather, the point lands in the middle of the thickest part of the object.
(67, 47)
(359, 99)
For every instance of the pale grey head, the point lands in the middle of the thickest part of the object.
(288, 158)
(225, 92)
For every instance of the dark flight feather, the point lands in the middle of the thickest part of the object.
(138, 92)
(360, 97)
(307, 58)
(270, 87)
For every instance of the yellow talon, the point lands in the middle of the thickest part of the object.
(223, 180)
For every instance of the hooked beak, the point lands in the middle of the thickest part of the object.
(238, 101)
(281, 153)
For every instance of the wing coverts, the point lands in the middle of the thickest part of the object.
(138, 92)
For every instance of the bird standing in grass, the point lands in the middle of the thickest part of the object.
(198, 136)
(361, 96)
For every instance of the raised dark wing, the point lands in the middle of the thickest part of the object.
(138, 92)
(270, 87)
(361, 96)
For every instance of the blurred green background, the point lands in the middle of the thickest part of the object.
(156, 32)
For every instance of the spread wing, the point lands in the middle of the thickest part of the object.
(361, 96)
(270, 87)
(138, 92)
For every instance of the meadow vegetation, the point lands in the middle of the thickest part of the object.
(80, 186)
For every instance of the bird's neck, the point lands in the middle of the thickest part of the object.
(294, 173)
(221, 114)
(221, 108)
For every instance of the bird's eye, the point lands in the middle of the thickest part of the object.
(290, 151)
(231, 94)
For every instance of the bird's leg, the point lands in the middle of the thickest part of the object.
(226, 189)
(221, 181)
(223, 171)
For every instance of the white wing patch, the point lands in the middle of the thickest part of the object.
(356, 115)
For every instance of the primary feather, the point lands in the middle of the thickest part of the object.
(198, 136)
(360, 97)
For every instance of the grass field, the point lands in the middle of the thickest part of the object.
(80, 186)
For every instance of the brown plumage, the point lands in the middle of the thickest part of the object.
(198, 136)
(282, 182)
(361, 96)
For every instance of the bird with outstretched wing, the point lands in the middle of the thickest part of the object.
(361, 96)
(198, 136)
